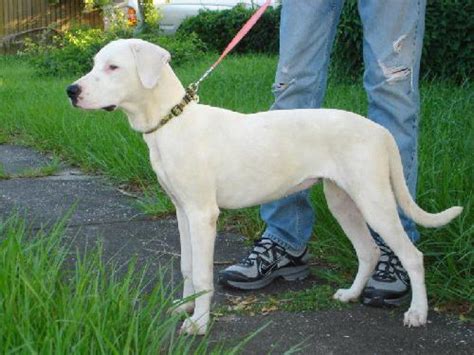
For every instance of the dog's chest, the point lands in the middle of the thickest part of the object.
(157, 164)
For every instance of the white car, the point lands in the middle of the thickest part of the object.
(175, 11)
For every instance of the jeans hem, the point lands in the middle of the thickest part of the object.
(283, 243)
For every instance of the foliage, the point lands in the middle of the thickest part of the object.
(448, 42)
(449, 39)
(150, 22)
(148, 19)
(115, 19)
(90, 5)
(72, 52)
(183, 49)
(217, 28)
(315, 298)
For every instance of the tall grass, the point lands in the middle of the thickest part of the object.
(52, 305)
(37, 112)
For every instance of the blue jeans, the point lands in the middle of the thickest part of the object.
(393, 35)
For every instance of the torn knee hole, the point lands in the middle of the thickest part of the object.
(395, 73)
(399, 73)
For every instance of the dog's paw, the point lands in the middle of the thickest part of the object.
(414, 318)
(180, 308)
(345, 295)
(193, 327)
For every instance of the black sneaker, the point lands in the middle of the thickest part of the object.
(265, 262)
(389, 285)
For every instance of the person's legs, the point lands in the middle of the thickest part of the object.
(307, 32)
(393, 38)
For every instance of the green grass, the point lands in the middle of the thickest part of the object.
(36, 112)
(3, 174)
(316, 298)
(49, 169)
(51, 305)
(3, 137)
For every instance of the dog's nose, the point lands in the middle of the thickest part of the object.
(73, 91)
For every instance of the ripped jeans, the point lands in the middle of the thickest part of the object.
(393, 35)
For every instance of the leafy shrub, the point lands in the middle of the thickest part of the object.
(448, 44)
(182, 48)
(347, 51)
(449, 40)
(71, 53)
(448, 50)
(217, 28)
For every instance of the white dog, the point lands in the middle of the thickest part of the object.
(208, 158)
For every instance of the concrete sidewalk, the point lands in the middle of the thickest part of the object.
(101, 212)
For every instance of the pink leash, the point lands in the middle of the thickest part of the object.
(241, 34)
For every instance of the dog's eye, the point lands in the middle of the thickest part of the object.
(113, 67)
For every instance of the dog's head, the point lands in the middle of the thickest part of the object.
(122, 70)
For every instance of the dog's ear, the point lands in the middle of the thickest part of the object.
(149, 61)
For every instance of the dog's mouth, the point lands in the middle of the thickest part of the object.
(109, 108)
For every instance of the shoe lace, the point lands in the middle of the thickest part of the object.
(389, 267)
(261, 246)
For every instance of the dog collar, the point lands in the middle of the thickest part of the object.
(178, 109)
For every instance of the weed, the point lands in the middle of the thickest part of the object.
(3, 137)
(155, 202)
(50, 169)
(316, 298)
(3, 174)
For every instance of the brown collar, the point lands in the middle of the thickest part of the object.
(178, 109)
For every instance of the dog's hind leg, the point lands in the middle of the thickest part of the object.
(202, 227)
(353, 224)
(377, 204)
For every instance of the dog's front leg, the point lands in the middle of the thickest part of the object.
(186, 263)
(202, 226)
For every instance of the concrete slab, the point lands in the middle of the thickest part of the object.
(359, 330)
(43, 200)
(16, 159)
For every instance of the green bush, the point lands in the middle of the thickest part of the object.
(449, 40)
(448, 44)
(68, 53)
(346, 57)
(182, 48)
(448, 50)
(71, 53)
(217, 28)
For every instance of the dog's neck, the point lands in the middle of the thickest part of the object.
(149, 109)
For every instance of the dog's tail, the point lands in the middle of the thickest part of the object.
(404, 198)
